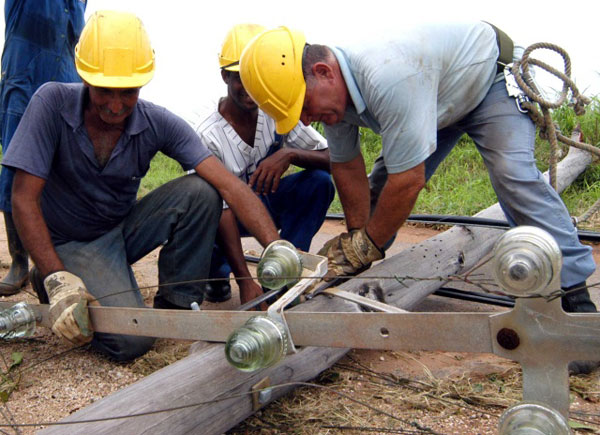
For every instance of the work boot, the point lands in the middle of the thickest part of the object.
(217, 291)
(37, 283)
(16, 278)
(163, 304)
(579, 301)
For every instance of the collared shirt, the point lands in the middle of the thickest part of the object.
(82, 200)
(39, 46)
(406, 86)
(242, 159)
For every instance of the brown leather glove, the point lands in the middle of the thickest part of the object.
(69, 307)
(350, 253)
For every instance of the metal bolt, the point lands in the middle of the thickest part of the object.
(508, 339)
(519, 271)
(264, 396)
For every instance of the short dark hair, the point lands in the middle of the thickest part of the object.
(313, 53)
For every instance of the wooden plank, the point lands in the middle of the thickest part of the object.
(205, 376)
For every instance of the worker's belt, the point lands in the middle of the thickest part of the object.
(505, 48)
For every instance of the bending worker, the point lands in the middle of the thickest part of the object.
(79, 153)
(39, 43)
(419, 88)
(244, 139)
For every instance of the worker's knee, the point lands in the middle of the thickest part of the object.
(121, 347)
(194, 185)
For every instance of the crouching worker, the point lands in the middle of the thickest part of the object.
(244, 139)
(79, 153)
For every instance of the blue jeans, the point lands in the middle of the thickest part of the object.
(184, 212)
(505, 138)
(298, 208)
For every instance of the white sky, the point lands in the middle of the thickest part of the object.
(187, 34)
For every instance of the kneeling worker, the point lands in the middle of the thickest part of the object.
(79, 153)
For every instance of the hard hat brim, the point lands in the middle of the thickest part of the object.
(285, 125)
(101, 81)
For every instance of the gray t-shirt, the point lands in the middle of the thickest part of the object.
(411, 84)
(81, 200)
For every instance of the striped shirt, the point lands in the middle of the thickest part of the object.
(242, 159)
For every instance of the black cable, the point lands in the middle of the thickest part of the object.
(474, 221)
(482, 298)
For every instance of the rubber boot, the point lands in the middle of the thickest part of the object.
(217, 291)
(579, 301)
(17, 277)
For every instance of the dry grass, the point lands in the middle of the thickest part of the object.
(395, 404)
(163, 353)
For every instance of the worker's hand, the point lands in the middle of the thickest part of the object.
(69, 307)
(350, 253)
(250, 290)
(266, 178)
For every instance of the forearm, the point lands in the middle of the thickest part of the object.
(353, 189)
(252, 214)
(395, 204)
(248, 209)
(310, 159)
(228, 236)
(34, 233)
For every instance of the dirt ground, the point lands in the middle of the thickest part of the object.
(53, 380)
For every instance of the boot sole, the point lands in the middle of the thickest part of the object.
(12, 289)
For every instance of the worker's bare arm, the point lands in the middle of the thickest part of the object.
(229, 239)
(353, 188)
(26, 193)
(246, 206)
(395, 203)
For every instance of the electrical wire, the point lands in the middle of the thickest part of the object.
(421, 428)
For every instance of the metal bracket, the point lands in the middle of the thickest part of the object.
(261, 393)
(316, 266)
(365, 302)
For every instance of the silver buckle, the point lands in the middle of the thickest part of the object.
(513, 88)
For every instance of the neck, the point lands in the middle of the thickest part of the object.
(235, 115)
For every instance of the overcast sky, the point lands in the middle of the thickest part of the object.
(187, 34)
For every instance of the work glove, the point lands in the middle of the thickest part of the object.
(69, 307)
(350, 253)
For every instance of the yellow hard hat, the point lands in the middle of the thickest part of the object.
(114, 51)
(271, 72)
(235, 41)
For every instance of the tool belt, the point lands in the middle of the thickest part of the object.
(505, 48)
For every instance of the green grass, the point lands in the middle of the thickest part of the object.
(162, 169)
(461, 184)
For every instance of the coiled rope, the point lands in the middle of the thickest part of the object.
(542, 117)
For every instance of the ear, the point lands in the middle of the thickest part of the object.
(225, 76)
(322, 70)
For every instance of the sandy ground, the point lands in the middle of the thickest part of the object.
(54, 381)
